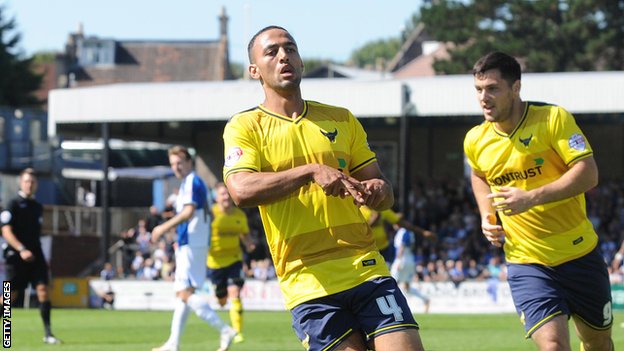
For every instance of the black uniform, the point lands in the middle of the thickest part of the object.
(25, 217)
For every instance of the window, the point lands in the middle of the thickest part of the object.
(93, 51)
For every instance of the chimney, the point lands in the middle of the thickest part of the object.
(223, 20)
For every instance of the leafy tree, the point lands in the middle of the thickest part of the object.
(546, 35)
(371, 52)
(17, 80)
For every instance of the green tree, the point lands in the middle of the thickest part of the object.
(18, 81)
(369, 54)
(546, 35)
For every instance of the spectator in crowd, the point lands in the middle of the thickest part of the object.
(108, 272)
(153, 219)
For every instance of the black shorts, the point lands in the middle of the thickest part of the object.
(221, 278)
(20, 273)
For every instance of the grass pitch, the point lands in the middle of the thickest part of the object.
(95, 330)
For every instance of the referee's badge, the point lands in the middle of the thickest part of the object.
(233, 155)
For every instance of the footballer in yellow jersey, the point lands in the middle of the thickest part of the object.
(306, 241)
(308, 167)
(537, 152)
(531, 165)
(225, 265)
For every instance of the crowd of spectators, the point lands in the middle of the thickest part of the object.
(444, 206)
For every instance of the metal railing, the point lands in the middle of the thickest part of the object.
(80, 220)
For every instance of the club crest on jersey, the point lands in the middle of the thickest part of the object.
(577, 142)
(330, 135)
(233, 155)
(526, 141)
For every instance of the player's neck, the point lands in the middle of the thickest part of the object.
(516, 113)
(284, 103)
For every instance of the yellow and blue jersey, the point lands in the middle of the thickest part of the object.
(541, 148)
(320, 244)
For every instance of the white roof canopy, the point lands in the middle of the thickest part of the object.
(579, 92)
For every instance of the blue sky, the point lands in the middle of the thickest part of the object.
(328, 29)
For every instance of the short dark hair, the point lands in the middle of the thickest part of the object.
(180, 151)
(506, 64)
(252, 41)
(28, 171)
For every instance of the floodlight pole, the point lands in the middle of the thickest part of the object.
(404, 164)
(105, 239)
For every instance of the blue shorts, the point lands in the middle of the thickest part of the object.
(372, 308)
(579, 287)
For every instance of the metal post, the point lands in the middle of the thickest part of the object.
(404, 164)
(105, 239)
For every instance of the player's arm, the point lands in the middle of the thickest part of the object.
(11, 239)
(248, 242)
(416, 229)
(481, 190)
(380, 196)
(250, 189)
(580, 177)
(187, 212)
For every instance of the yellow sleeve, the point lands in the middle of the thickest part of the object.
(240, 146)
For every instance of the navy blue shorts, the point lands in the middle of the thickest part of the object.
(221, 278)
(372, 308)
(580, 287)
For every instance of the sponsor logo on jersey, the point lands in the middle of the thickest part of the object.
(519, 175)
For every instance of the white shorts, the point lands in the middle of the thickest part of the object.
(403, 270)
(190, 271)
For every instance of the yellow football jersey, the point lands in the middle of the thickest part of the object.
(537, 152)
(225, 238)
(320, 244)
(379, 228)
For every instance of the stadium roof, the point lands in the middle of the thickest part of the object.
(579, 92)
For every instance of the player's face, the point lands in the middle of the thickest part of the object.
(223, 197)
(180, 166)
(276, 61)
(28, 184)
(496, 97)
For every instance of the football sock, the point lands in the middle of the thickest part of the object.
(180, 314)
(204, 311)
(44, 310)
(236, 314)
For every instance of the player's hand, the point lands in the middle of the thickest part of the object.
(27, 255)
(379, 190)
(511, 201)
(335, 183)
(156, 233)
(430, 235)
(493, 232)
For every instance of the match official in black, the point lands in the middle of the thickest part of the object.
(21, 228)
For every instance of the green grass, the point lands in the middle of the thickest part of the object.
(91, 330)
